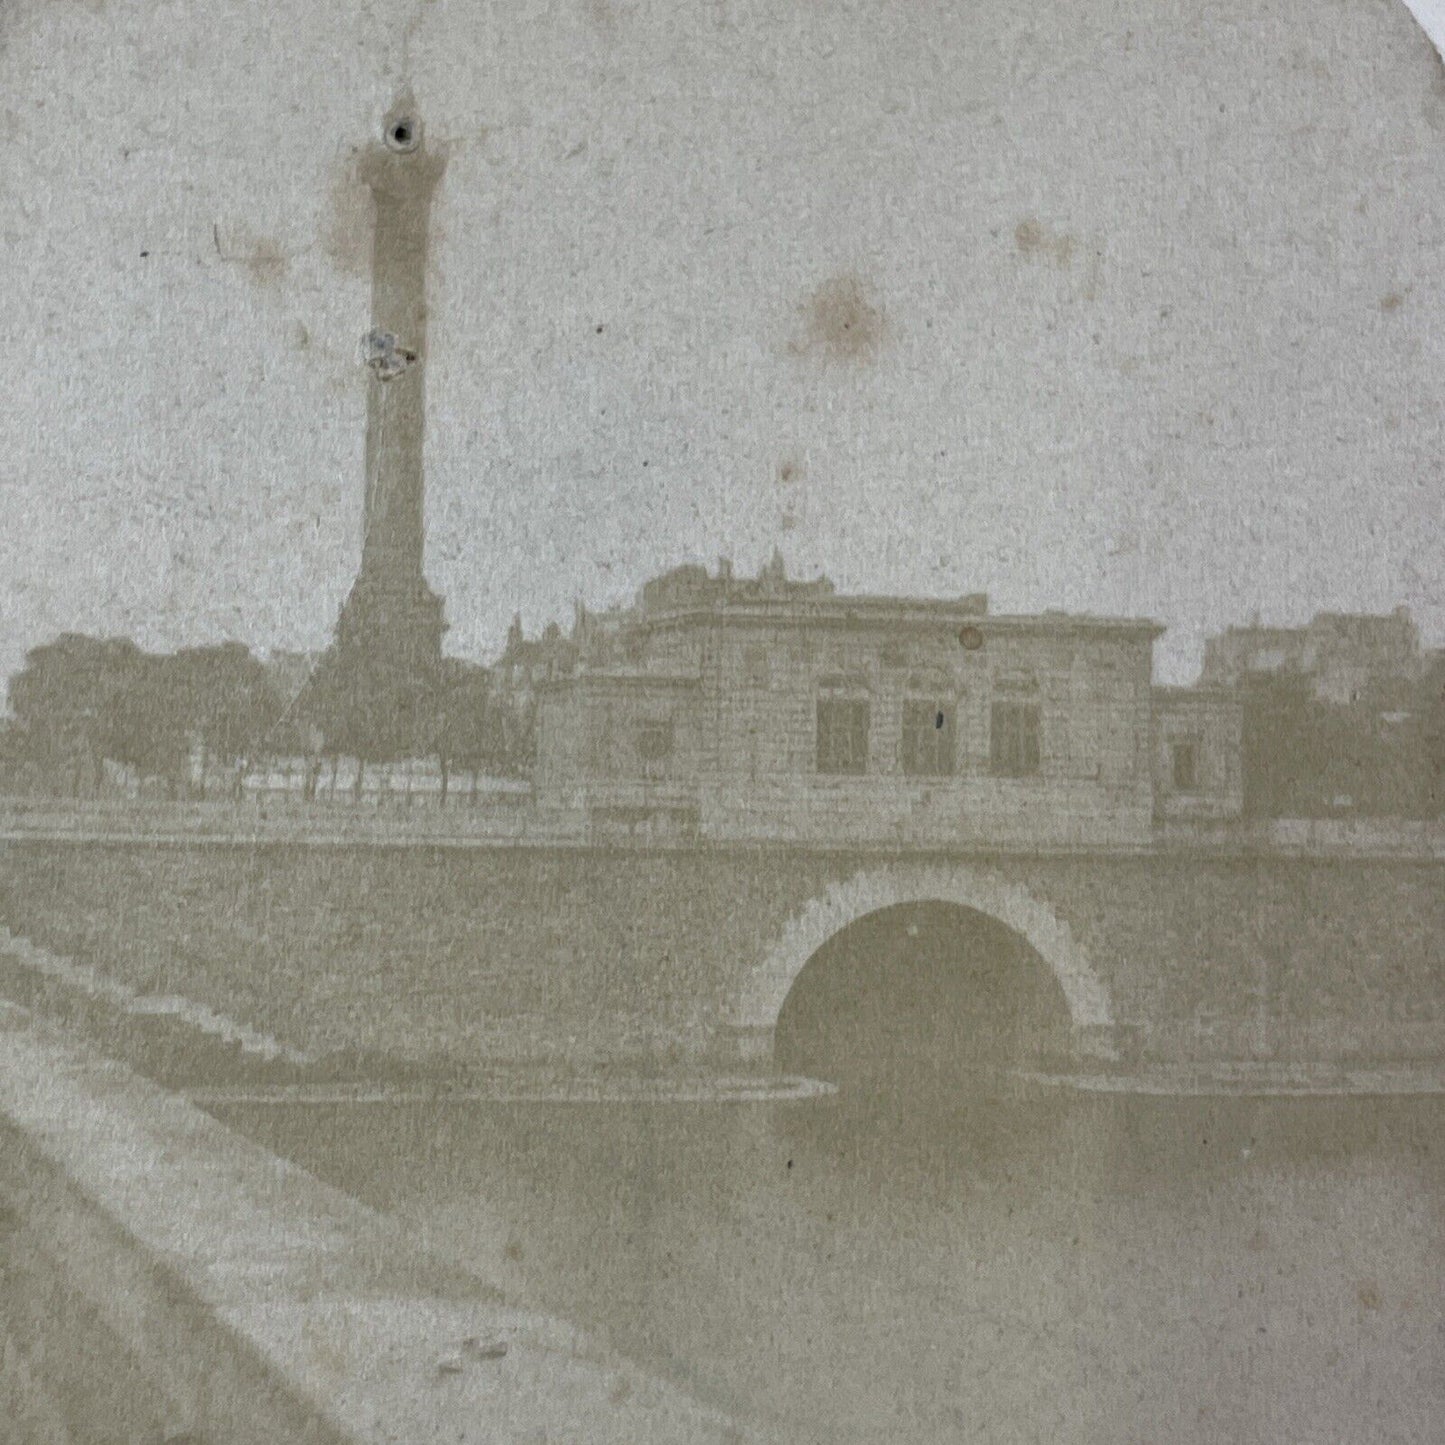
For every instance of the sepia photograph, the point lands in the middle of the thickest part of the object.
(723, 722)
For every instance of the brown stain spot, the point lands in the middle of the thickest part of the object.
(514, 1251)
(1258, 1242)
(789, 470)
(259, 256)
(266, 262)
(603, 17)
(1033, 238)
(1369, 1295)
(346, 226)
(1391, 301)
(842, 322)
(621, 1392)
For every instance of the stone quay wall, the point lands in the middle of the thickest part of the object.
(166, 1280)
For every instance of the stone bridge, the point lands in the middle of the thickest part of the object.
(581, 955)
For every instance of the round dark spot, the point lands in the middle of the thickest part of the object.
(790, 1163)
(599, 329)
(970, 638)
(144, 254)
(401, 134)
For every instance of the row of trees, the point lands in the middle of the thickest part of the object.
(80, 702)
(362, 705)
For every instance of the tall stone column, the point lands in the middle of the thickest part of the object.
(391, 609)
(402, 177)
(387, 650)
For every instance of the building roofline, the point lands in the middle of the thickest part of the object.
(1395, 617)
(910, 612)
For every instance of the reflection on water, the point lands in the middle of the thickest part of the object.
(1103, 1270)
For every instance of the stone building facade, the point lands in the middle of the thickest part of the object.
(770, 709)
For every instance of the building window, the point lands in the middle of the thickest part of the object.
(842, 735)
(1184, 765)
(929, 729)
(1013, 743)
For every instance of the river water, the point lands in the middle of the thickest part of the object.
(911, 1269)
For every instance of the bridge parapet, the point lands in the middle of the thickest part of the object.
(1310, 837)
(327, 824)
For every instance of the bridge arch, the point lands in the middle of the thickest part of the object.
(759, 1001)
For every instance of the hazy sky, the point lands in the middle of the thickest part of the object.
(1114, 307)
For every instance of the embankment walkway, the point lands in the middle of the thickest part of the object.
(167, 1279)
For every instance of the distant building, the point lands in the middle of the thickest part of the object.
(525, 665)
(768, 708)
(1340, 716)
(1198, 771)
(1342, 655)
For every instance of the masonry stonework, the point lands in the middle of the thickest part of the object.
(586, 954)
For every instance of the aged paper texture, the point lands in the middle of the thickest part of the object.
(723, 722)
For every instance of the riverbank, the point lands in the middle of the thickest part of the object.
(168, 1279)
(1260, 1079)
